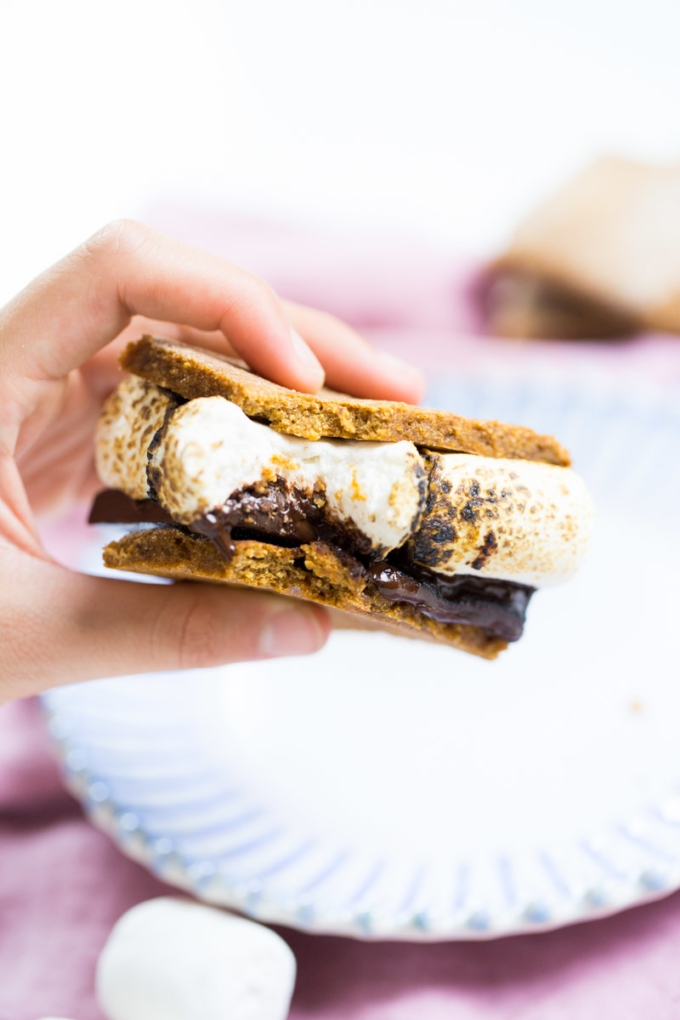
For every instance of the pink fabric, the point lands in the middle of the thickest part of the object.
(63, 884)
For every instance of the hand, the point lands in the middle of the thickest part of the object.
(59, 340)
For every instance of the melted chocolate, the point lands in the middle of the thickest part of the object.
(285, 514)
(277, 513)
(114, 507)
(497, 606)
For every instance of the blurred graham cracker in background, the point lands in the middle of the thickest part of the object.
(601, 258)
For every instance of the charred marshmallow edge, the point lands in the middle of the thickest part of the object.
(130, 419)
(514, 520)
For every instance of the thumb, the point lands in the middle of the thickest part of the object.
(58, 627)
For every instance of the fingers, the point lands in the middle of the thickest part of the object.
(83, 302)
(351, 364)
(86, 300)
(59, 627)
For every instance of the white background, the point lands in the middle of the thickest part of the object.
(444, 119)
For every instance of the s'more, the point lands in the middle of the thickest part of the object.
(421, 521)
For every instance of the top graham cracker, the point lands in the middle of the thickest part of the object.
(192, 372)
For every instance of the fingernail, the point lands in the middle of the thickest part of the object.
(293, 632)
(308, 359)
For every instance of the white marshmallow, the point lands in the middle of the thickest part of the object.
(514, 520)
(169, 959)
(210, 449)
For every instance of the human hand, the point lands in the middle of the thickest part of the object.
(60, 339)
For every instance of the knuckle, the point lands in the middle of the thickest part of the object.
(253, 290)
(119, 237)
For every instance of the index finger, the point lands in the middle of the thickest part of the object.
(80, 304)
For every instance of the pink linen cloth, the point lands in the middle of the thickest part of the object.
(63, 884)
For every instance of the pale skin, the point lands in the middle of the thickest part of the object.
(59, 343)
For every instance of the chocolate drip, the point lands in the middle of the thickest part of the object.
(497, 606)
(277, 513)
(273, 510)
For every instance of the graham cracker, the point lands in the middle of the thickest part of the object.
(192, 372)
(316, 572)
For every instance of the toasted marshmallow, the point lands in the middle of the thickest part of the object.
(210, 450)
(514, 520)
(130, 419)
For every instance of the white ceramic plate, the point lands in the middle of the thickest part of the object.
(389, 788)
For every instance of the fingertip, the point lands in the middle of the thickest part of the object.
(324, 622)
(405, 381)
(310, 369)
(289, 362)
(298, 631)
